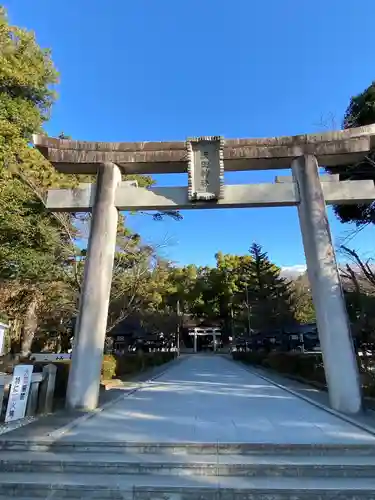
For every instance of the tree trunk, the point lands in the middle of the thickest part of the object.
(29, 327)
(15, 336)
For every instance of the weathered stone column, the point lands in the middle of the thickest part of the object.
(47, 388)
(84, 378)
(32, 400)
(332, 320)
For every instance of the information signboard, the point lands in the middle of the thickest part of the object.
(50, 357)
(205, 168)
(19, 392)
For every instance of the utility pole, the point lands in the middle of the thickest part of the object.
(178, 327)
(232, 321)
(248, 310)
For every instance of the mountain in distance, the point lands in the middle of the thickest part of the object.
(299, 275)
(293, 272)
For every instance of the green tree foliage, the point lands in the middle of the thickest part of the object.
(228, 280)
(31, 240)
(303, 303)
(40, 264)
(270, 295)
(28, 235)
(27, 79)
(360, 112)
(238, 286)
(358, 278)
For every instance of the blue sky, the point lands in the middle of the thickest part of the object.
(169, 69)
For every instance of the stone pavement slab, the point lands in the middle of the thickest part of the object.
(319, 396)
(208, 398)
(43, 425)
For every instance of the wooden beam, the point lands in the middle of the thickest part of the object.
(331, 148)
(235, 196)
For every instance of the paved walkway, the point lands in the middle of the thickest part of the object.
(211, 399)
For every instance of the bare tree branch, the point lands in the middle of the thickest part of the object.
(364, 266)
(62, 220)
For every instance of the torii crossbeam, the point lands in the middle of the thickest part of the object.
(204, 159)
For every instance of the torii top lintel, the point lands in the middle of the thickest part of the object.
(331, 148)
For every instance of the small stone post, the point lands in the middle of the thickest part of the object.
(2, 390)
(332, 320)
(32, 400)
(87, 355)
(47, 388)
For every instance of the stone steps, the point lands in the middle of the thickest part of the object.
(170, 487)
(190, 465)
(61, 446)
(170, 471)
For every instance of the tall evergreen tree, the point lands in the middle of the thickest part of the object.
(32, 241)
(269, 294)
(40, 265)
(302, 298)
(360, 112)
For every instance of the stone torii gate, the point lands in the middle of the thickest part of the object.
(204, 159)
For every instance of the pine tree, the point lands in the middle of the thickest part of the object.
(360, 112)
(40, 265)
(268, 293)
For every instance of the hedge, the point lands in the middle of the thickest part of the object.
(112, 366)
(109, 365)
(308, 367)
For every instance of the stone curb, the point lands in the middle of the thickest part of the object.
(370, 401)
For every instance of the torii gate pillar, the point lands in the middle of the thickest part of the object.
(333, 325)
(87, 355)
